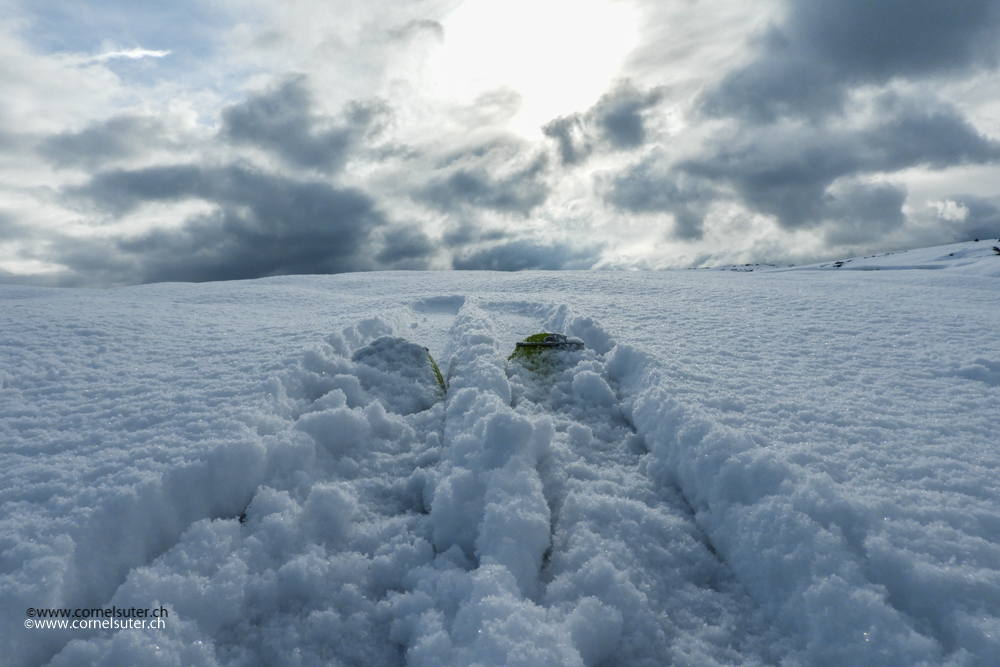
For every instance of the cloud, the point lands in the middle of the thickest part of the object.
(419, 27)
(524, 254)
(467, 232)
(405, 248)
(981, 218)
(619, 114)
(831, 126)
(786, 169)
(118, 137)
(11, 228)
(472, 185)
(862, 212)
(185, 30)
(265, 224)
(617, 120)
(807, 63)
(120, 191)
(283, 121)
(130, 54)
(653, 186)
(804, 173)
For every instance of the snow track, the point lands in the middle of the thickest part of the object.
(511, 523)
(558, 528)
(293, 501)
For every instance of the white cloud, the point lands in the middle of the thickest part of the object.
(950, 210)
(130, 54)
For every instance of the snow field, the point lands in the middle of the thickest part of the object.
(792, 467)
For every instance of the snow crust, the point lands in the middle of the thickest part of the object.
(788, 467)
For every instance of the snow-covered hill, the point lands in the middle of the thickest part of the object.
(789, 466)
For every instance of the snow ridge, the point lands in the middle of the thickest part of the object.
(788, 542)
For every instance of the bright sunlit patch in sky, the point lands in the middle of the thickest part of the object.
(560, 55)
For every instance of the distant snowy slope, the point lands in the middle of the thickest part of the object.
(793, 467)
(975, 258)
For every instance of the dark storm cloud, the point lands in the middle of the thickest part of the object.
(524, 254)
(790, 169)
(800, 154)
(616, 119)
(619, 114)
(518, 192)
(982, 221)
(116, 138)
(120, 191)
(650, 186)
(266, 224)
(283, 121)
(466, 233)
(878, 40)
(863, 212)
(405, 248)
(823, 47)
(786, 169)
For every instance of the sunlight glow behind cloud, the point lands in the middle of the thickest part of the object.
(559, 55)
(320, 136)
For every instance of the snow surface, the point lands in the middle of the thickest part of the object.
(789, 466)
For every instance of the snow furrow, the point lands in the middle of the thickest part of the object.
(724, 489)
(781, 538)
(337, 520)
(546, 509)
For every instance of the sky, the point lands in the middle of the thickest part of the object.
(216, 140)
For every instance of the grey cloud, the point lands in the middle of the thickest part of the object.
(405, 248)
(284, 122)
(524, 254)
(619, 114)
(616, 119)
(862, 212)
(466, 233)
(928, 133)
(982, 221)
(267, 224)
(417, 27)
(9, 140)
(570, 134)
(265, 221)
(116, 138)
(10, 228)
(792, 169)
(786, 170)
(518, 192)
(120, 191)
(799, 152)
(650, 186)
(879, 40)
(823, 47)
(780, 84)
